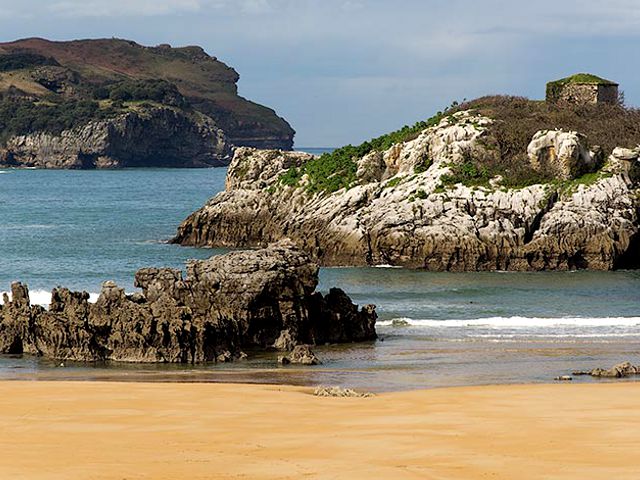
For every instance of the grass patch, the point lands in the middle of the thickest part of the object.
(394, 182)
(568, 187)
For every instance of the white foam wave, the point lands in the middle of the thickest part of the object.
(517, 322)
(43, 297)
(385, 265)
(559, 335)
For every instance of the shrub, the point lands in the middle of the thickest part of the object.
(160, 91)
(421, 194)
(21, 117)
(517, 119)
(482, 164)
(424, 165)
(18, 61)
(291, 177)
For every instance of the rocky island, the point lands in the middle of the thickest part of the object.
(262, 299)
(113, 103)
(498, 183)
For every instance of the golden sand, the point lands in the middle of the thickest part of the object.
(76, 430)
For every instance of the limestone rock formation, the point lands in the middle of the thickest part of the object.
(242, 300)
(562, 153)
(149, 136)
(398, 211)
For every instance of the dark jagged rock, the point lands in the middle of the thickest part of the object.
(622, 370)
(249, 299)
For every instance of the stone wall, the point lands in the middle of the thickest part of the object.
(578, 93)
(608, 94)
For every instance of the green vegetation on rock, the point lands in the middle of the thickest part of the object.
(583, 78)
(424, 165)
(570, 186)
(18, 117)
(155, 90)
(330, 172)
(502, 150)
(394, 182)
(291, 177)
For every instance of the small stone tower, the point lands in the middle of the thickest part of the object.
(582, 89)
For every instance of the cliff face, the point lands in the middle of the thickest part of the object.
(118, 75)
(152, 136)
(403, 209)
(244, 300)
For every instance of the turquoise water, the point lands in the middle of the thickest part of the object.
(79, 228)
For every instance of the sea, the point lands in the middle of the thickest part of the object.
(80, 228)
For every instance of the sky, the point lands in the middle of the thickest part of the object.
(343, 71)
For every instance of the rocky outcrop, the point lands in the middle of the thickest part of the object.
(622, 370)
(400, 211)
(301, 355)
(224, 305)
(562, 153)
(147, 137)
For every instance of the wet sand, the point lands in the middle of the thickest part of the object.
(96, 430)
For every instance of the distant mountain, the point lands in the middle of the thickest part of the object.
(51, 92)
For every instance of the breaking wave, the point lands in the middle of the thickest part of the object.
(43, 297)
(516, 322)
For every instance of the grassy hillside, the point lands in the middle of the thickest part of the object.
(84, 66)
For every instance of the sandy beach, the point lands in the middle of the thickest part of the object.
(87, 430)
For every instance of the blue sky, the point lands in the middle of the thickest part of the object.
(342, 71)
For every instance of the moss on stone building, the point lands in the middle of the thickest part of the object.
(582, 88)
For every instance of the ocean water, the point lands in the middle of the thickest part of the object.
(79, 228)
(315, 150)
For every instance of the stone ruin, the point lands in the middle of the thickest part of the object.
(582, 89)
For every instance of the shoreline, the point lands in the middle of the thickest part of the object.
(115, 430)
